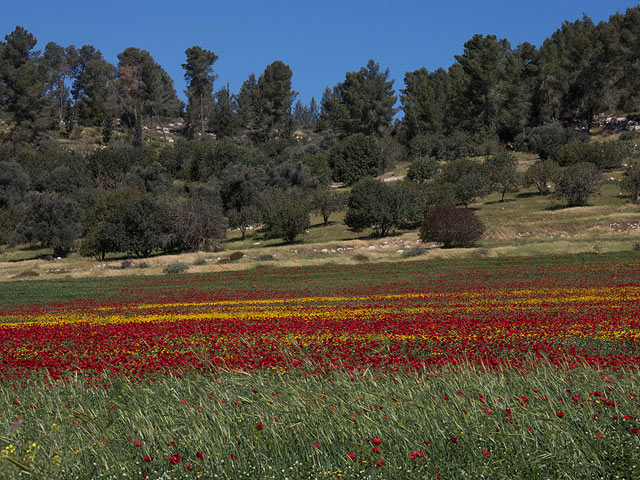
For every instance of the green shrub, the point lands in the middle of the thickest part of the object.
(199, 261)
(636, 247)
(577, 183)
(413, 251)
(235, 256)
(480, 252)
(265, 257)
(176, 267)
(360, 257)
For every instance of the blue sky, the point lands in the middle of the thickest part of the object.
(320, 41)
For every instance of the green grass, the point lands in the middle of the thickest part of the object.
(321, 280)
(75, 431)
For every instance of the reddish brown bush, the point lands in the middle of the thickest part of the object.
(453, 226)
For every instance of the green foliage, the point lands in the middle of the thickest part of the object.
(176, 267)
(235, 256)
(147, 90)
(604, 155)
(424, 101)
(577, 182)
(223, 121)
(546, 140)
(467, 179)
(453, 146)
(374, 204)
(540, 174)
(94, 88)
(325, 202)
(501, 172)
(435, 193)
(276, 98)
(14, 183)
(318, 163)
(451, 226)
(240, 186)
(631, 179)
(199, 76)
(243, 218)
(150, 179)
(108, 167)
(51, 220)
(23, 85)
(354, 158)
(422, 169)
(363, 103)
(285, 213)
(414, 251)
(292, 174)
(143, 222)
(478, 94)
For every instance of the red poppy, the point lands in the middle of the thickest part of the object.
(137, 443)
(259, 426)
(599, 435)
(174, 459)
(200, 455)
(560, 414)
(485, 452)
(148, 458)
(375, 450)
(351, 455)
(316, 445)
(416, 454)
(376, 441)
(380, 463)
(454, 439)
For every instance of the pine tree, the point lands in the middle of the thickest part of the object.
(200, 77)
(23, 84)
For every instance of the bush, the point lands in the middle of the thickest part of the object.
(540, 174)
(286, 214)
(50, 220)
(356, 157)
(126, 264)
(199, 261)
(142, 265)
(235, 256)
(577, 183)
(636, 247)
(547, 139)
(454, 146)
(452, 226)
(361, 257)
(413, 251)
(176, 267)
(631, 180)
(373, 204)
(467, 179)
(480, 252)
(422, 169)
(605, 155)
(265, 257)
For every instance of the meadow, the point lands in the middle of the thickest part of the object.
(514, 367)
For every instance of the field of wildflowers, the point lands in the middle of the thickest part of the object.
(483, 368)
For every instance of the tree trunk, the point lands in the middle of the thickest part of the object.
(201, 116)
